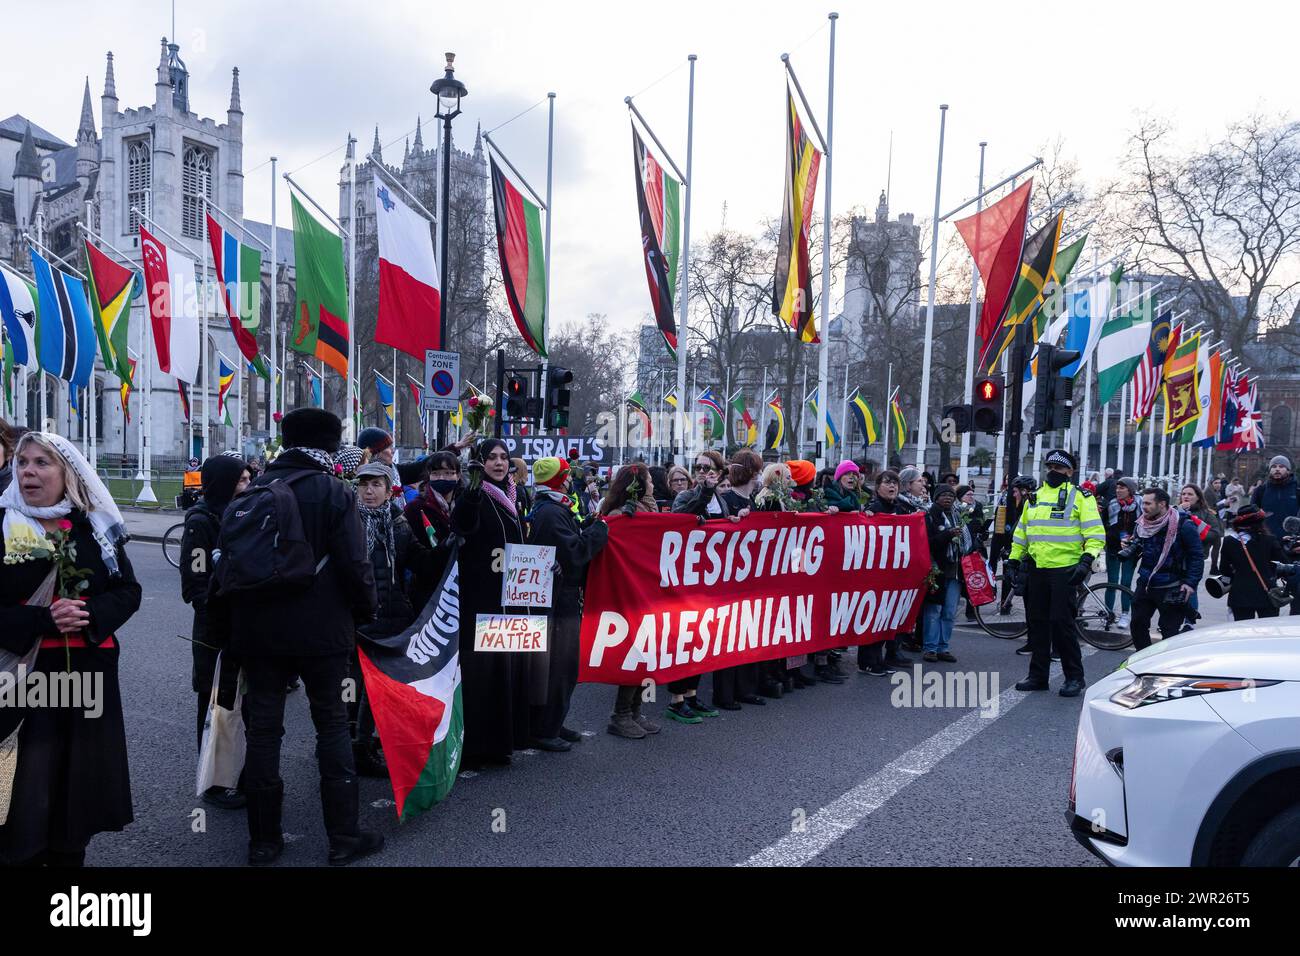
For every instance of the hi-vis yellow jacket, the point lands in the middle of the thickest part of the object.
(1055, 532)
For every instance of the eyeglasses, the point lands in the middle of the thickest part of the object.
(708, 468)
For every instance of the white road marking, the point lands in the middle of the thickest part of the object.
(837, 818)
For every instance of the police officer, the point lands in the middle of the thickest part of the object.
(1061, 534)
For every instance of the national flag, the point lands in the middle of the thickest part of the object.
(458, 416)
(792, 282)
(124, 390)
(239, 280)
(716, 418)
(751, 427)
(1230, 417)
(671, 398)
(173, 307)
(1123, 342)
(184, 394)
(225, 379)
(1254, 423)
(321, 328)
(7, 376)
(1181, 386)
(1036, 268)
(65, 332)
(521, 253)
(417, 396)
(1210, 395)
(866, 421)
(900, 423)
(18, 298)
(777, 434)
(637, 404)
(384, 388)
(1149, 375)
(72, 402)
(413, 687)
(112, 287)
(995, 237)
(658, 200)
(832, 433)
(409, 281)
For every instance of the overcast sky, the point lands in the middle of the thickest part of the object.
(1016, 74)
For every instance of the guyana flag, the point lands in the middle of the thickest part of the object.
(751, 427)
(111, 290)
(658, 199)
(413, 685)
(775, 430)
(520, 251)
(1037, 262)
(900, 423)
(321, 319)
(637, 404)
(792, 282)
(866, 421)
(1182, 385)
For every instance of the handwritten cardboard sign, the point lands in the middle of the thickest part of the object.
(527, 580)
(510, 632)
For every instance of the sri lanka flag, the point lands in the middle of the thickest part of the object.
(413, 684)
(239, 278)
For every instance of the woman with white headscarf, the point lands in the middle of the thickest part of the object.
(63, 764)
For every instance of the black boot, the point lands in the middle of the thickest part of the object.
(369, 759)
(340, 801)
(265, 838)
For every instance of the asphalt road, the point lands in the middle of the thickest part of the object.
(832, 775)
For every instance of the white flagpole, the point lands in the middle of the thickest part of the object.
(546, 246)
(204, 361)
(1137, 446)
(844, 417)
(683, 291)
(923, 423)
(762, 413)
(350, 427)
(889, 411)
(971, 358)
(823, 353)
(1119, 427)
(1164, 468)
(275, 393)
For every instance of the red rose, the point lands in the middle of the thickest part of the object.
(473, 402)
(278, 417)
(65, 524)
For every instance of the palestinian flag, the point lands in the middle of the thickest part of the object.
(637, 404)
(1182, 385)
(239, 279)
(523, 266)
(321, 328)
(792, 282)
(413, 684)
(658, 198)
(751, 428)
(1036, 267)
(125, 390)
(861, 411)
(111, 289)
(776, 430)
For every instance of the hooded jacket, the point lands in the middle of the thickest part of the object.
(1281, 499)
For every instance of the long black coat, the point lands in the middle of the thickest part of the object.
(494, 685)
(320, 619)
(1247, 592)
(72, 779)
(395, 610)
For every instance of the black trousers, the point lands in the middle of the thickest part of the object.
(1145, 606)
(1051, 607)
(1250, 613)
(545, 720)
(264, 715)
(735, 683)
(361, 721)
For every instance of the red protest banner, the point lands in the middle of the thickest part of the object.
(668, 597)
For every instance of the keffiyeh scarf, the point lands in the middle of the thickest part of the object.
(1150, 527)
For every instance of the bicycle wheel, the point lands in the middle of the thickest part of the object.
(1100, 607)
(1004, 618)
(171, 545)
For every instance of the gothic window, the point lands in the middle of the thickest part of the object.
(360, 220)
(1279, 430)
(196, 185)
(139, 181)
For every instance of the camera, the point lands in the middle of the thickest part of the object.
(1130, 549)
(1291, 539)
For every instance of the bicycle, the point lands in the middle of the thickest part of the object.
(1100, 608)
(171, 544)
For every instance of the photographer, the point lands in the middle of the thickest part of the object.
(1247, 558)
(1171, 560)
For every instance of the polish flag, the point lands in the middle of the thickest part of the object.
(173, 307)
(408, 276)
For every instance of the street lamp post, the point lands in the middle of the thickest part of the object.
(449, 92)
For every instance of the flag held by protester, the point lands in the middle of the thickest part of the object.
(792, 281)
(658, 200)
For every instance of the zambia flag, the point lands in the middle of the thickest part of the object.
(866, 421)
(792, 282)
(111, 289)
(1037, 262)
(658, 199)
(413, 685)
(523, 264)
(321, 319)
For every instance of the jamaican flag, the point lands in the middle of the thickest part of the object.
(1036, 268)
(413, 684)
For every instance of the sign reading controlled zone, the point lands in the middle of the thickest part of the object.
(441, 381)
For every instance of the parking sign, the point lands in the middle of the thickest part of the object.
(441, 381)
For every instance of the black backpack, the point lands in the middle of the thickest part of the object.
(262, 544)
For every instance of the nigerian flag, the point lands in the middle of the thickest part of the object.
(1123, 342)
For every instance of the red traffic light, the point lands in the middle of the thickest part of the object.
(987, 390)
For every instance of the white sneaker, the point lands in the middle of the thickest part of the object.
(1123, 621)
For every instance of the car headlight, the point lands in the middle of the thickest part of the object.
(1155, 688)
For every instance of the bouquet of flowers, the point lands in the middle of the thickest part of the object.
(478, 412)
(58, 545)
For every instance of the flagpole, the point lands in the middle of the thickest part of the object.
(888, 414)
(275, 393)
(1137, 447)
(1164, 466)
(1119, 427)
(844, 416)
(204, 361)
(923, 425)
(970, 334)
(802, 406)
(40, 236)
(352, 311)
(1105, 435)
(762, 413)
(823, 353)
(546, 247)
(684, 291)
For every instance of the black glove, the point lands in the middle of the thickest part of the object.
(1015, 577)
(629, 509)
(1082, 570)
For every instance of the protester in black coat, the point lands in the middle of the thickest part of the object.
(279, 632)
(553, 523)
(880, 658)
(1248, 597)
(224, 476)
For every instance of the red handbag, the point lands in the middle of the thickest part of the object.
(979, 586)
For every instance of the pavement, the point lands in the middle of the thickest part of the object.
(850, 774)
(150, 524)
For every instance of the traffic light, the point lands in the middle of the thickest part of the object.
(516, 396)
(1054, 392)
(558, 394)
(986, 412)
(961, 417)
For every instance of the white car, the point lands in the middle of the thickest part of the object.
(1189, 753)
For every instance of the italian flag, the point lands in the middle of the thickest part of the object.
(413, 684)
(523, 266)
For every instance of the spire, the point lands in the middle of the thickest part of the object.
(406, 158)
(376, 150)
(234, 92)
(110, 87)
(164, 73)
(28, 163)
(419, 137)
(86, 129)
(478, 139)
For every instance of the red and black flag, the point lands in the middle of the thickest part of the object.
(995, 237)
(520, 251)
(658, 199)
(413, 685)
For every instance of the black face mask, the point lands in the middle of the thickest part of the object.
(1054, 479)
(444, 486)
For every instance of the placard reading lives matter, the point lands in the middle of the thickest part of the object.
(510, 632)
(527, 580)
